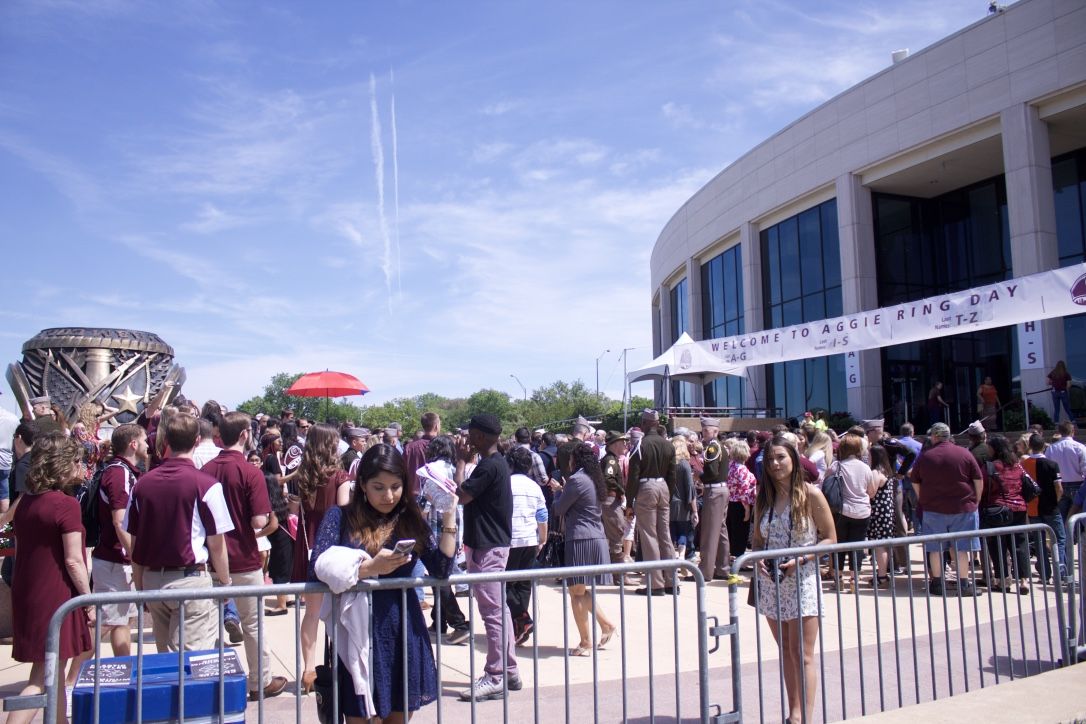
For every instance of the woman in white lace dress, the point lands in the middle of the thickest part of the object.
(791, 513)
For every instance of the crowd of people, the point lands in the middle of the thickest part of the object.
(191, 497)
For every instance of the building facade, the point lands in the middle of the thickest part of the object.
(962, 164)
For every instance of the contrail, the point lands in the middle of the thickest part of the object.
(378, 150)
(395, 181)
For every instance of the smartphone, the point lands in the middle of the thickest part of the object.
(405, 546)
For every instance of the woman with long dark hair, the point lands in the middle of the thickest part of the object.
(791, 513)
(578, 505)
(382, 512)
(322, 484)
(881, 526)
(1001, 504)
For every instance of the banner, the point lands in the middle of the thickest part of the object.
(1055, 293)
(1031, 351)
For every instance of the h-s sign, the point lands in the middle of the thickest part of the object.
(1031, 355)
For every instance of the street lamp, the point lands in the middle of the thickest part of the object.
(625, 389)
(598, 371)
(522, 387)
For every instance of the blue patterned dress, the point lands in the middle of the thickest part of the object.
(386, 631)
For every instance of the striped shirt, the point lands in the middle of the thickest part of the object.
(529, 510)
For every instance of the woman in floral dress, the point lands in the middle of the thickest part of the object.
(791, 513)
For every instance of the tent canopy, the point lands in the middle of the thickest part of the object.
(685, 361)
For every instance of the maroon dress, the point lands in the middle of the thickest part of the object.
(41, 583)
(312, 515)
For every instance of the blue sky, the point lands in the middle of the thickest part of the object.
(213, 172)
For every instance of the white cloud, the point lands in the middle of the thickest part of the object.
(500, 108)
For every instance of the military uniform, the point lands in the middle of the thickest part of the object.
(713, 541)
(614, 519)
(651, 479)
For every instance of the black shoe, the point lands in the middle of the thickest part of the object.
(458, 637)
(233, 628)
(935, 587)
(649, 591)
(525, 632)
(965, 588)
(670, 590)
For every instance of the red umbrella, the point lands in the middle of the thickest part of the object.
(327, 384)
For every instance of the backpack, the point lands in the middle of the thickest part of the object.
(87, 494)
(832, 486)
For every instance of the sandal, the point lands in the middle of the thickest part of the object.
(606, 637)
(580, 651)
(275, 611)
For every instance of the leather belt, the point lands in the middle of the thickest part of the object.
(649, 480)
(187, 570)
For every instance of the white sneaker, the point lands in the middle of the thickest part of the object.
(485, 687)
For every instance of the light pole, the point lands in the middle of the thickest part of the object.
(522, 387)
(625, 389)
(598, 372)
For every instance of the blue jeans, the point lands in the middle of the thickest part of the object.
(1061, 396)
(1044, 565)
(230, 611)
(4, 474)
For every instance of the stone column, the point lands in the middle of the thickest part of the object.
(750, 256)
(663, 340)
(859, 286)
(1031, 212)
(694, 294)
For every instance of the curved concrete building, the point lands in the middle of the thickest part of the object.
(963, 164)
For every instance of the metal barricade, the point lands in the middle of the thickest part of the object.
(1076, 592)
(884, 644)
(657, 679)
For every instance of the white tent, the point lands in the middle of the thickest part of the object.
(685, 361)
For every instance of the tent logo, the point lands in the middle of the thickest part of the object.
(686, 359)
(1078, 291)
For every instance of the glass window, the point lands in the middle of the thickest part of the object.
(789, 241)
(773, 264)
(723, 315)
(809, 265)
(1069, 226)
(924, 247)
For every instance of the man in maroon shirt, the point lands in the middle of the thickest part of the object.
(177, 518)
(247, 501)
(112, 567)
(950, 484)
(414, 455)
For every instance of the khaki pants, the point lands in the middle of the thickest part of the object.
(199, 622)
(653, 509)
(614, 526)
(248, 612)
(713, 543)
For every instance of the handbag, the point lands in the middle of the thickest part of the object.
(995, 516)
(322, 688)
(1030, 489)
(553, 554)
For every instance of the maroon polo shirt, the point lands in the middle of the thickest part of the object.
(114, 487)
(946, 473)
(414, 457)
(246, 495)
(173, 510)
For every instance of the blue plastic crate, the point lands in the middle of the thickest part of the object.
(160, 694)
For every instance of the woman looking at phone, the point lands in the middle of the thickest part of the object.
(791, 513)
(385, 521)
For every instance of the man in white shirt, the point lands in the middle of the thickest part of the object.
(1070, 455)
(207, 450)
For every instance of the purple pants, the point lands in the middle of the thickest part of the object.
(493, 609)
